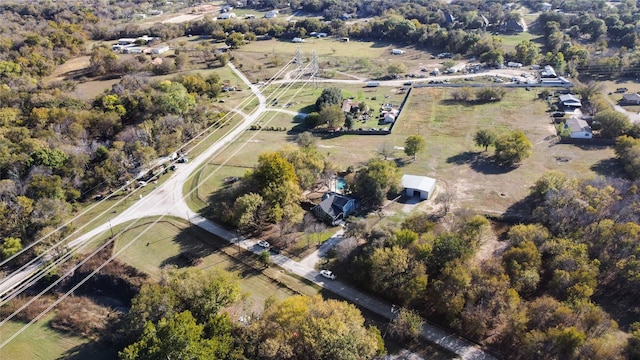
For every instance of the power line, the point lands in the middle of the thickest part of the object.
(113, 239)
(49, 253)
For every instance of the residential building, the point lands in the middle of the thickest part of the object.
(335, 207)
(579, 128)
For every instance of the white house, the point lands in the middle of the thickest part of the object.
(271, 14)
(227, 16)
(418, 185)
(389, 118)
(297, 40)
(159, 50)
(397, 52)
(579, 128)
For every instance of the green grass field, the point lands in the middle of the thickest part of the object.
(161, 245)
(40, 341)
(451, 155)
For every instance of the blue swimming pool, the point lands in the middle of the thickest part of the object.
(340, 184)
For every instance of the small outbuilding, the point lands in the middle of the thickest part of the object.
(418, 185)
(631, 99)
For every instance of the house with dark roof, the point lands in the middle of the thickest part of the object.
(512, 27)
(570, 103)
(335, 207)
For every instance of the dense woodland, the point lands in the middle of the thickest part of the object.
(565, 287)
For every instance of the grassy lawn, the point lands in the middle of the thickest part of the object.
(451, 156)
(39, 341)
(509, 42)
(162, 244)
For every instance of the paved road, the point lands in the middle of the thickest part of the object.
(168, 199)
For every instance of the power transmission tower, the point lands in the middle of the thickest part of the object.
(298, 59)
(315, 67)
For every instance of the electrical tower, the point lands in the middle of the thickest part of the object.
(315, 67)
(298, 59)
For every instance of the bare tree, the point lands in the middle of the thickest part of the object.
(385, 150)
(446, 197)
(344, 248)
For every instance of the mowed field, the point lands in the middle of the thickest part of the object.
(40, 341)
(156, 245)
(451, 155)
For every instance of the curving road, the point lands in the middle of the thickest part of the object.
(168, 199)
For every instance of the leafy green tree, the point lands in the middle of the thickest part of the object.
(522, 264)
(414, 144)
(312, 120)
(448, 247)
(512, 148)
(277, 179)
(396, 68)
(302, 327)
(376, 179)
(407, 324)
(265, 258)
(487, 94)
(330, 96)
(305, 139)
(174, 98)
(103, 60)
(332, 115)
(9, 247)
(175, 337)
(235, 40)
(396, 273)
(484, 138)
(248, 212)
(628, 153)
(527, 52)
(613, 123)
(53, 158)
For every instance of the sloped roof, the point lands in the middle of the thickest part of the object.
(568, 98)
(577, 125)
(422, 183)
(333, 204)
(631, 97)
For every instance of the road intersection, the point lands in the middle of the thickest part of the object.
(168, 199)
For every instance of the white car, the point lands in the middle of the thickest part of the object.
(328, 274)
(263, 244)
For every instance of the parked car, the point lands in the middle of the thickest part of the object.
(558, 114)
(263, 244)
(328, 274)
(183, 159)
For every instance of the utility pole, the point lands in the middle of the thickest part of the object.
(315, 67)
(298, 59)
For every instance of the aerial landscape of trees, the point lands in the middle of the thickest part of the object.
(562, 283)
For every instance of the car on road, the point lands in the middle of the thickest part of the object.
(328, 274)
(263, 244)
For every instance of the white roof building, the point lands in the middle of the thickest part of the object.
(579, 128)
(418, 185)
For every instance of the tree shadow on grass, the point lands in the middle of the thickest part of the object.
(402, 162)
(91, 350)
(195, 244)
(481, 163)
(608, 167)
